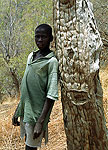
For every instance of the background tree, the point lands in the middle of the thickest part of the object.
(101, 16)
(18, 19)
(78, 45)
(10, 42)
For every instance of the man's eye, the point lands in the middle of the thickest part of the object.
(40, 36)
(37, 36)
(44, 36)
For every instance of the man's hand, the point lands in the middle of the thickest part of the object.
(15, 121)
(37, 130)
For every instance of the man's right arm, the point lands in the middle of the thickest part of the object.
(15, 121)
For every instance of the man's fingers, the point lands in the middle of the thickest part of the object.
(15, 124)
(36, 135)
(15, 121)
(18, 123)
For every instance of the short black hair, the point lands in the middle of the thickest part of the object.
(46, 26)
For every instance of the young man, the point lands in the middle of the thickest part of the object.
(39, 90)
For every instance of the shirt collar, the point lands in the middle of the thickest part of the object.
(50, 55)
(47, 56)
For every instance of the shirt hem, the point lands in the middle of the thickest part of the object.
(55, 99)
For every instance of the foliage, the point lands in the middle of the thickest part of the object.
(18, 19)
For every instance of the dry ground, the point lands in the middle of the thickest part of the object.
(9, 135)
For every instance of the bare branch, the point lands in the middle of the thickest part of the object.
(105, 40)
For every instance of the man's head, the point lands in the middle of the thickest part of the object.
(43, 36)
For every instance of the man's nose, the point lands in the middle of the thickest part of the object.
(40, 38)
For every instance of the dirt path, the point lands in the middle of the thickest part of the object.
(4, 109)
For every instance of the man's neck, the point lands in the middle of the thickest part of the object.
(45, 52)
(41, 53)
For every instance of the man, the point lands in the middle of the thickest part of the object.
(39, 90)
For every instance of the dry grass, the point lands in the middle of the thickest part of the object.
(9, 135)
(104, 82)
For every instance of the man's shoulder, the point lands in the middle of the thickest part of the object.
(53, 62)
(53, 59)
(30, 55)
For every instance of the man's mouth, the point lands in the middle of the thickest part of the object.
(39, 44)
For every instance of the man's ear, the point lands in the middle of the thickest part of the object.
(51, 38)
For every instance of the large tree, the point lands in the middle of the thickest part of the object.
(78, 46)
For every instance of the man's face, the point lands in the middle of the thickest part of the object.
(42, 38)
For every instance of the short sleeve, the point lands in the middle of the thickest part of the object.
(52, 86)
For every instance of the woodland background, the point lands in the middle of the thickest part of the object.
(18, 19)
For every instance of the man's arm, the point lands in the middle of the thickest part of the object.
(52, 91)
(15, 121)
(39, 125)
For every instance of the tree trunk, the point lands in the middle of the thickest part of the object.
(16, 82)
(78, 48)
(14, 77)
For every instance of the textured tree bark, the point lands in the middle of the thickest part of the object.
(78, 45)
